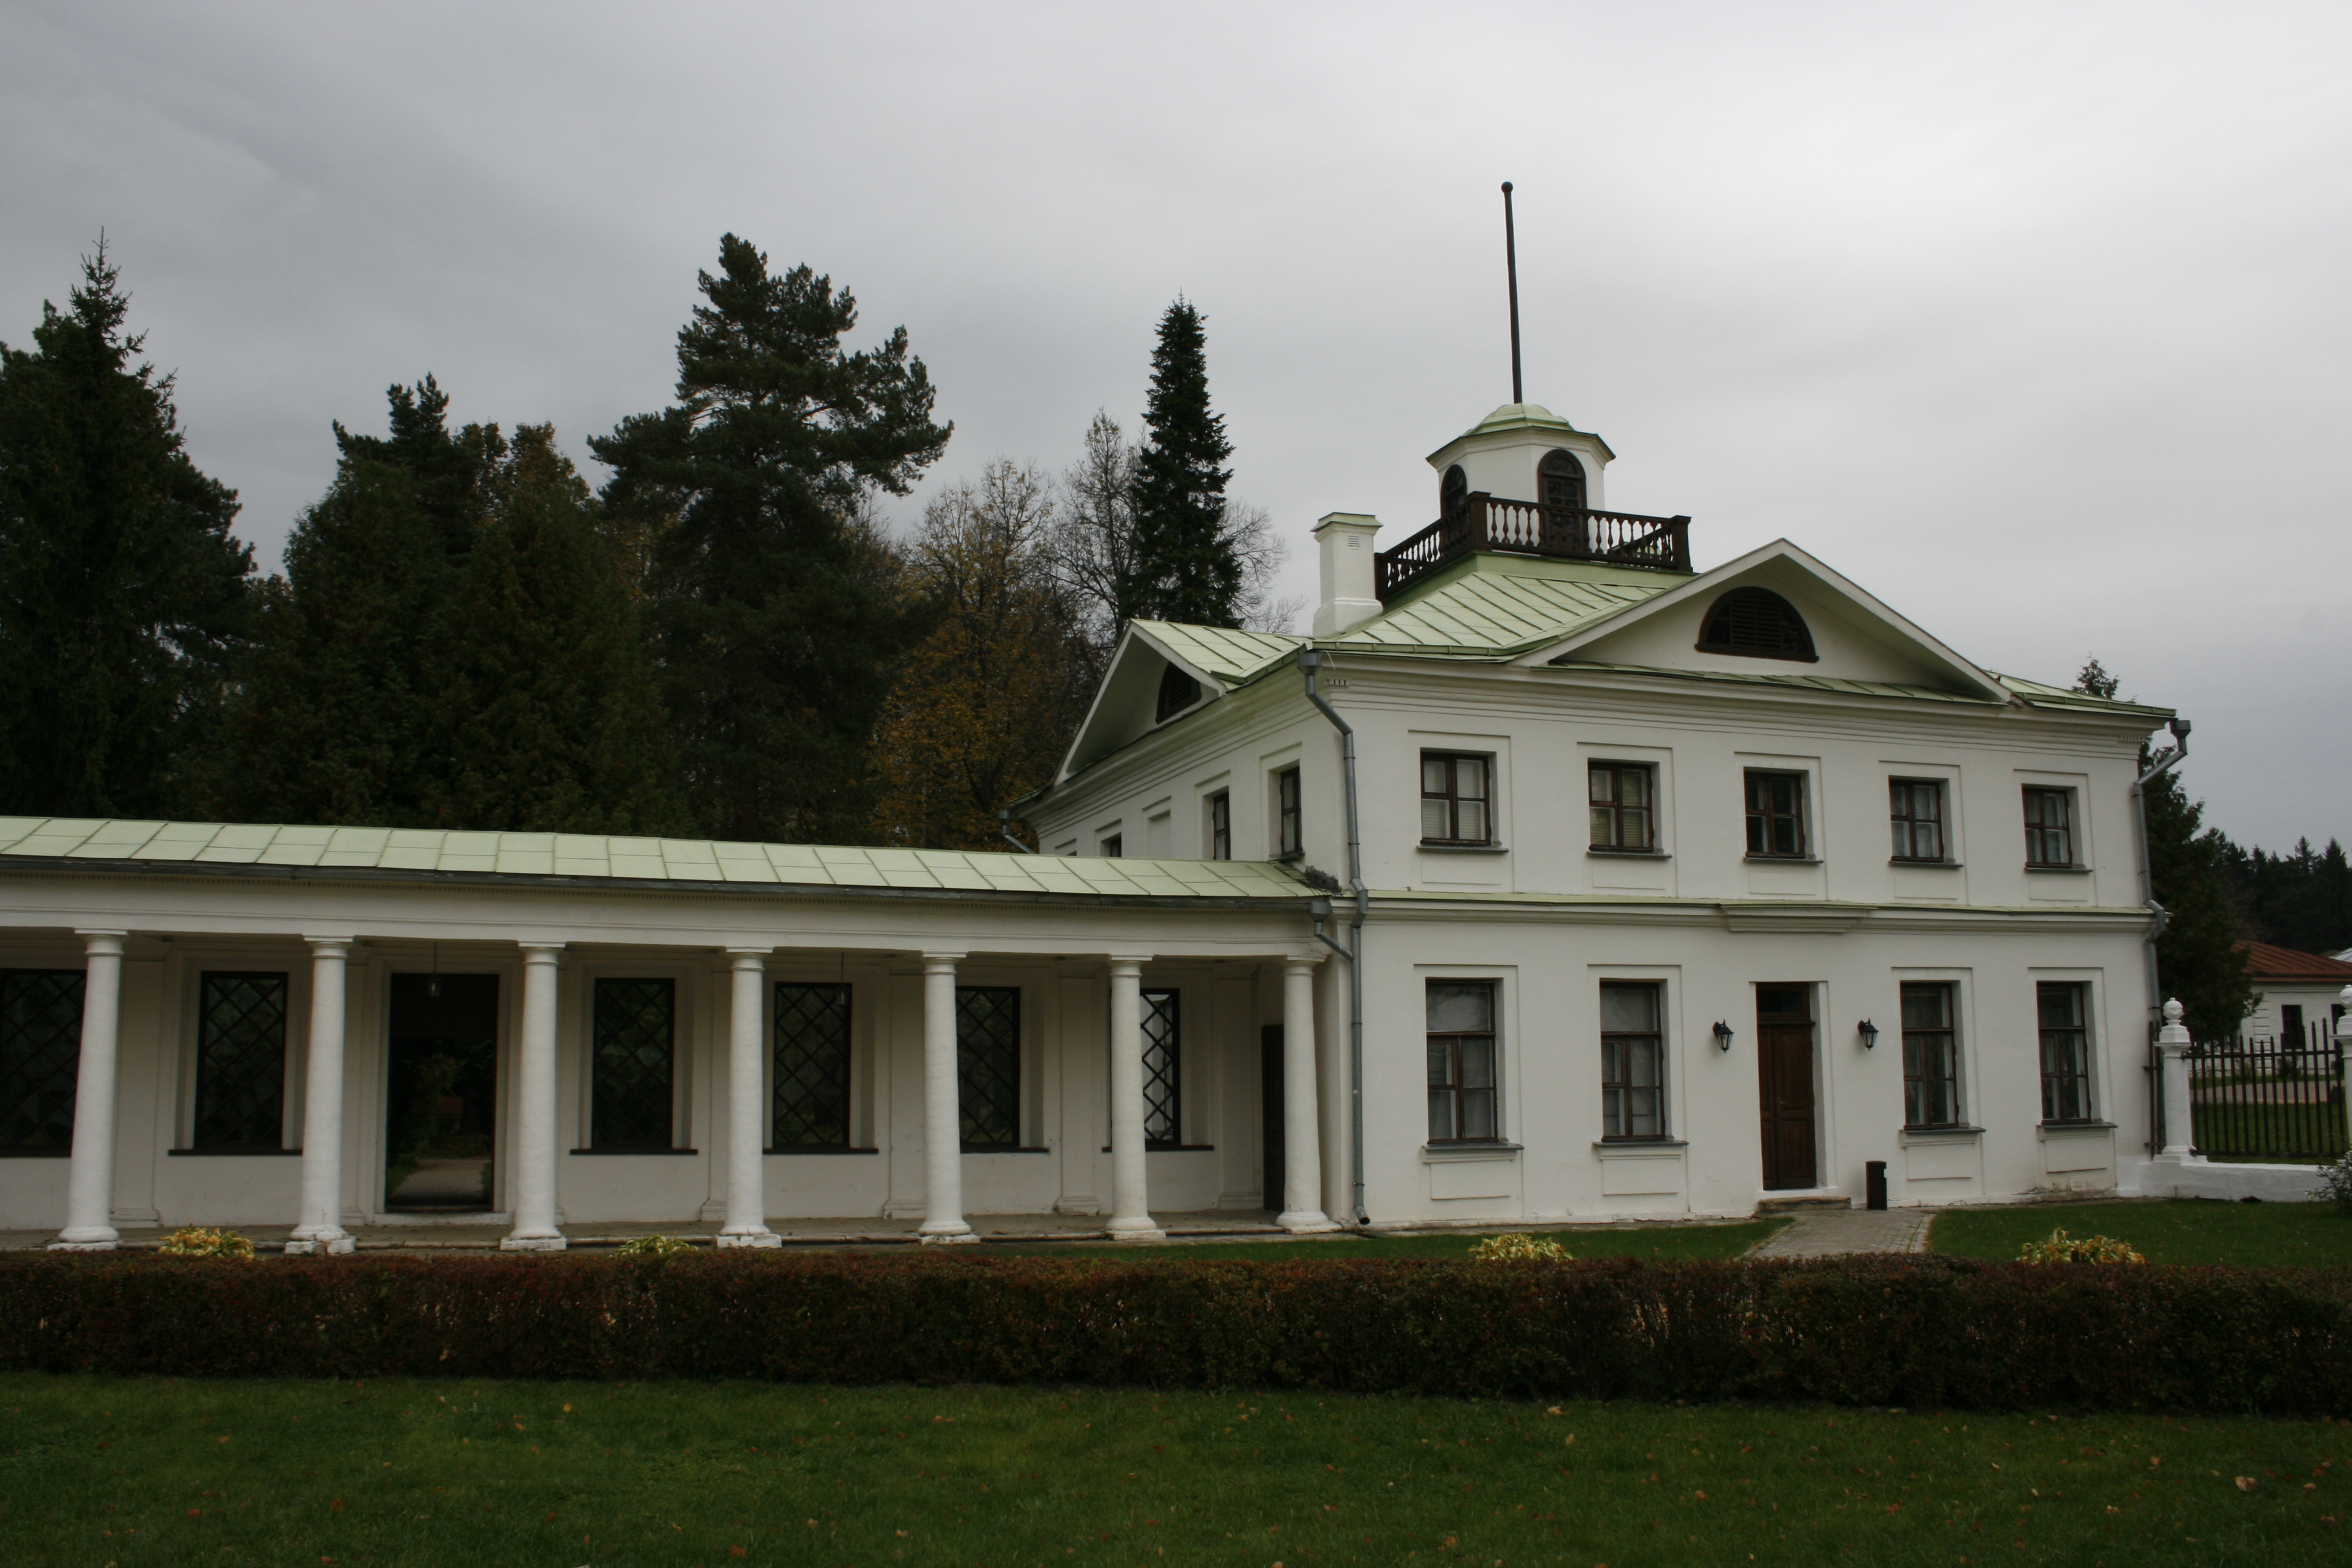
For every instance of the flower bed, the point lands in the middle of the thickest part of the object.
(1913, 1332)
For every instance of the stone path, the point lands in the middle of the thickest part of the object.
(1831, 1233)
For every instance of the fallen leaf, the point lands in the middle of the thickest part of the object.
(2245, 1483)
(336, 1506)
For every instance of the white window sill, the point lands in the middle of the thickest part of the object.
(1939, 1134)
(1782, 859)
(1611, 852)
(1458, 1154)
(2057, 870)
(1426, 847)
(1927, 865)
(1619, 1148)
(2070, 1129)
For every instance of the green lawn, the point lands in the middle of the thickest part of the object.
(99, 1472)
(1650, 1241)
(2181, 1231)
(2287, 1134)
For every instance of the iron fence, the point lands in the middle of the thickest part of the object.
(2266, 1098)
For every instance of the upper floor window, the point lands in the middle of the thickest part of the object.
(241, 1062)
(40, 1057)
(1462, 1061)
(1776, 814)
(1178, 691)
(1220, 825)
(1114, 845)
(1561, 478)
(1755, 623)
(2049, 826)
(1453, 493)
(1915, 807)
(1931, 1055)
(1623, 799)
(1286, 832)
(1456, 798)
(1633, 1059)
(2064, 1010)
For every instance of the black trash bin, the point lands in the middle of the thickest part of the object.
(1873, 1184)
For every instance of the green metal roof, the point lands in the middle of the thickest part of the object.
(260, 846)
(1231, 656)
(1837, 683)
(1497, 615)
(2034, 694)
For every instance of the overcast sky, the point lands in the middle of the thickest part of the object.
(2033, 320)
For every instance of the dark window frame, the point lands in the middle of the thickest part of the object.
(1762, 819)
(1757, 623)
(1113, 847)
(618, 1066)
(1451, 800)
(1220, 825)
(797, 1006)
(1931, 1058)
(40, 1057)
(1619, 1054)
(1560, 481)
(990, 1093)
(211, 1120)
(1161, 1017)
(2043, 835)
(1908, 826)
(1615, 809)
(1289, 815)
(2067, 1086)
(1460, 1049)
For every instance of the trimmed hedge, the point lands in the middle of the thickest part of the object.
(1922, 1333)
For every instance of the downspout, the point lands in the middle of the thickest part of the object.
(1310, 661)
(2163, 763)
(1005, 830)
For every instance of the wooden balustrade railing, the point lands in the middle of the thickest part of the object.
(1484, 522)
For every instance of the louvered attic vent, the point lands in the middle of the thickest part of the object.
(1178, 691)
(1755, 623)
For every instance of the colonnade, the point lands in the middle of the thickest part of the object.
(534, 1221)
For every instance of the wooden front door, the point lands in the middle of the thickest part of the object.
(1270, 1103)
(1784, 1058)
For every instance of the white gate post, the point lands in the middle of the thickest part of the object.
(2172, 1042)
(2344, 1055)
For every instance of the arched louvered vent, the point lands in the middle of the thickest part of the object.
(1178, 691)
(1756, 624)
(1562, 481)
(1453, 493)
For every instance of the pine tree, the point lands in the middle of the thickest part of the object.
(775, 641)
(122, 594)
(1185, 567)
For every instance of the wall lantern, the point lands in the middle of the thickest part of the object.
(1869, 1033)
(1723, 1035)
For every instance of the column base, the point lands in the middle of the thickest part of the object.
(944, 1232)
(532, 1244)
(760, 1237)
(335, 1245)
(1142, 1228)
(62, 1244)
(1306, 1221)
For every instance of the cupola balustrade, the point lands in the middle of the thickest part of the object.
(1479, 522)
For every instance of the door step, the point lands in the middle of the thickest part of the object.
(1768, 1207)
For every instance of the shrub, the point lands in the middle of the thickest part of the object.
(2335, 1184)
(652, 1246)
(205, 1241)
(1517, 1246)
(1922, 1333)
(2060, 1247)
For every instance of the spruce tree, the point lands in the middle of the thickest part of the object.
(1185, 566)
(775, 640)
(122, 594)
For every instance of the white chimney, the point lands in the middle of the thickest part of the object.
(1350, 589)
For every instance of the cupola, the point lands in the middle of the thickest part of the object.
(1523, 451)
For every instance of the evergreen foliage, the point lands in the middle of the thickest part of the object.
(2302, 900)
(1184, 567)
(122, 594)
(453, 646)
(775, 637)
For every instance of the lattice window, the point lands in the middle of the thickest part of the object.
(812, 1094)
(988, 1065)
(41, 1053)
(241, 1062)
(635, 1062)
(1162, 1069)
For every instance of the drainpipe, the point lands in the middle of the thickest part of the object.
(2163, 763)
(1005, 830)
(1310, 661)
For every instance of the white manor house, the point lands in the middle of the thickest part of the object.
(1548, 880)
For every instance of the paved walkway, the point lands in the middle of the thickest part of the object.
(1831, 1233)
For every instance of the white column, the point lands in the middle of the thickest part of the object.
(943, 1107)
(2344, 1053)
(1302, 1143)
(747, 1186)
(2172, 1045)
(533, 1182)
(1130, 1204)
(318, 1228)
(89, 1177)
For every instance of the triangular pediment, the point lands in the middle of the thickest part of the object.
(1126, 704)
(1854, 636)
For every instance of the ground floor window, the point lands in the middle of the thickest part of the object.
(1461, 1045)
(2065, 1007)
(40, 1054)
(241, 1062)
(988, 1065)
(811, 1107)
(1164, 1062)
(1931, 1054)
(1633, 1059)
(634, 1074)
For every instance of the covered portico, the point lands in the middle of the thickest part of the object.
(679, 1031)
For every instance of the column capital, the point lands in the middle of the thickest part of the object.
(340, 946)
(941, 962)
(1127, 962)
(102, 942)
(536, 951)
(1296, 962)
(748, 957)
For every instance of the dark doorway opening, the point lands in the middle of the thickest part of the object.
(1784, 1059)
(1269, 1098)
(440, 1122)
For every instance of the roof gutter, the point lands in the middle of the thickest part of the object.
(2163, 763)
(1310, 661)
